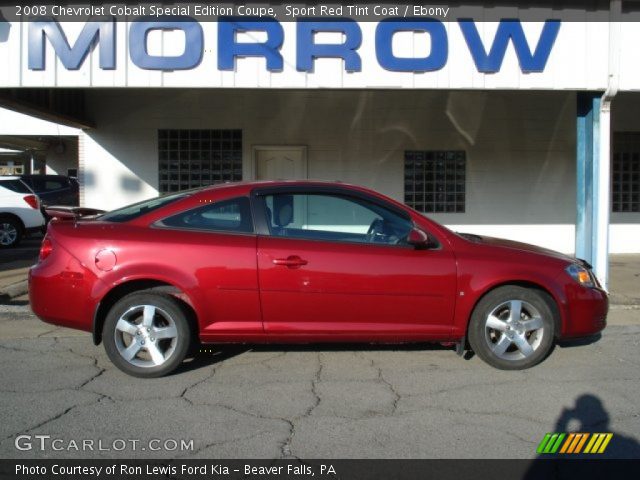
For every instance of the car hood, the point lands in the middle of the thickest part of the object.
(512, 245)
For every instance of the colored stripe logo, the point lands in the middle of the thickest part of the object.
(568, 443)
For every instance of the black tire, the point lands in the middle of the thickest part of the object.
(9, 224)
(537, 309)
(167, 312)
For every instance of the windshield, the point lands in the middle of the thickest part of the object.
(136, 210)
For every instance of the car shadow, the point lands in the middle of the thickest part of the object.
(580, 342)
(207, 355)
(6, 300)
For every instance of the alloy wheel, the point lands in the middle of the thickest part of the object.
(146, 336)
(8, 234)
(514, 330)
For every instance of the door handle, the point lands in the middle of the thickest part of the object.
(292, 261)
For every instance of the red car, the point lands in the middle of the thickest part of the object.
(302, 262)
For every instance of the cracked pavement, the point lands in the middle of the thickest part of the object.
(327, 401)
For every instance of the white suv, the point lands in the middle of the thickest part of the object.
(19, 211)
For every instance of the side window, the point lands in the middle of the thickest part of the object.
(334, 218)
(53, 185)
(37, 184)
(15, 186)
(226, 216)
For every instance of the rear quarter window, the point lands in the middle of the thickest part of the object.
(15, 185)
(226, 216)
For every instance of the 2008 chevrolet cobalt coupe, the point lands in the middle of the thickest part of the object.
(302, 262)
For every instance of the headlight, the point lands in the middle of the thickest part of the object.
(580, 275)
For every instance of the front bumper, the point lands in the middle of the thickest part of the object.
(586, 311)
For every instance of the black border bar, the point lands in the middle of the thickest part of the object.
(294, 469)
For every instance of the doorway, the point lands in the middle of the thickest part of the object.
(280, 162)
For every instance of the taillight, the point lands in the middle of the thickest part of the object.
(45, 249)
(32, 200)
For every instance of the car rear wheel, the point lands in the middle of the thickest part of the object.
(10, 232)
(146, 334)
(512, 328)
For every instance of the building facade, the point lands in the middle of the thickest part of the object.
(519, 129)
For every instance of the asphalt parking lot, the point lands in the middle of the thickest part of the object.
(314, 402)
(348, 401)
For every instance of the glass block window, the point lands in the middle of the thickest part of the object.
(434, 181)
(625, 173)
(195, 158)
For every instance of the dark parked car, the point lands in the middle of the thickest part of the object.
(54, 189)
(285, 262)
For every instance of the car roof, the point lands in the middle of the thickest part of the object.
(246, 187)
(249, 185)
(9, 177)
(42, 175)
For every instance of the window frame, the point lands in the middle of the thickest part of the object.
(202, 152)
(422, 205)
(261, 224)
(621, 142)
(159, 225)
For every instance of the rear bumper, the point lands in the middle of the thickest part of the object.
(587, 310)
(60, 292)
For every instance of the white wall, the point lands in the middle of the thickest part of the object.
(59, 162)
(520, 146)
(15, 123)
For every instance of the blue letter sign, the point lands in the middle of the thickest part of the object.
(228, 48)
(510, 30)
(72, 57)
(439, 45)
(102, 35)
(193, 44)
(308, 50)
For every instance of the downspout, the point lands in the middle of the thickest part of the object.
(602, 173)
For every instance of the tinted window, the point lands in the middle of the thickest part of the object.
(37, 184)
(15, 185)
(334, 218)
(136, 210)
(45, 183)
(54, 185)
(227, 216)
(27, 181)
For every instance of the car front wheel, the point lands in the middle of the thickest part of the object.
(512, 327)
(146, 334)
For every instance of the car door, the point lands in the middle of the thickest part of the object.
(331, 263)
(216, 244)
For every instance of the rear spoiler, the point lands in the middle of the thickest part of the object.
(71, 213)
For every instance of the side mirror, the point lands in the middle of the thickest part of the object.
(418, 238)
